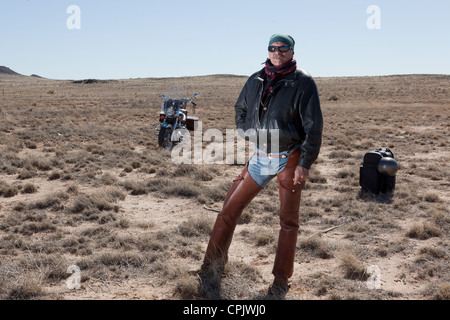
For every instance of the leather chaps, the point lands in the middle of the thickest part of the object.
(241, 193)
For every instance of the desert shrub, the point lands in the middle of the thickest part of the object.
(147, 169)
(431, 253)
(191, 171)
(186, 286)
(106, 218)
(341, 154)
(43, 164)
(443, 292)
(96, 232)
(102, 201)
(240, 279)
(127, 168)
(151, 244)
(30, 144)
(345, 173)
(54, 176)
(215, 193)
(431, 197)
(72, 244)
(8, 191)
(26, 174)
(195, 227)
(29, 188)
(315, 176)
(264, 238)
(48, 202)
(81, 204)
(245, 218)
(136, 164)
(334, 97)
(30, 228)
(30, 289)
(157, 184)
(108, 179)
(182, 188)
(423, 231)
(95, 149)
(121, 259)
(123, 224)
(135, 187)
(72, 189)
(353, 268)
(317, 246)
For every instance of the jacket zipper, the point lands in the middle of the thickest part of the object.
(261, 89)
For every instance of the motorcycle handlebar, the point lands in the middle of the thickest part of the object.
(185, 99)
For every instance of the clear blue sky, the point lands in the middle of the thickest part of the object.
(169, 38)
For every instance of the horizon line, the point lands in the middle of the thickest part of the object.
(16, 74)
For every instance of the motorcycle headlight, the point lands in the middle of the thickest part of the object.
(170, 111)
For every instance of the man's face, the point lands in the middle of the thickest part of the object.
(278, 58)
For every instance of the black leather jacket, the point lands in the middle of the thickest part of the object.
(293, 109)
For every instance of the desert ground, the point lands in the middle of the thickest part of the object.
(84, 183)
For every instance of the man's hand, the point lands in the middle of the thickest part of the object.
(301, 174)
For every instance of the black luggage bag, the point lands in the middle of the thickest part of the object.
(370, 178)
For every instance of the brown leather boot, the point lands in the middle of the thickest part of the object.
(279, 289)
(290, 196)
(242, 192)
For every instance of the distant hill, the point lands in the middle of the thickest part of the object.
(7, 73)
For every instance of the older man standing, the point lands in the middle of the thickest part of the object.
(282, 101)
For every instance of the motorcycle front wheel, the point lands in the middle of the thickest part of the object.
(165, 138)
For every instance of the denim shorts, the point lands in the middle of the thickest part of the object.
(264, 168)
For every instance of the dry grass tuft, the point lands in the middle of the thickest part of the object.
(195, 227)
(29, 188)
(101, 201)
(186, 286)
(353, 267)
(29, 290)
(443, 292)
(317, 247)
(423, 231)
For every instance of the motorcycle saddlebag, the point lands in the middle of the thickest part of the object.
(370, 179)
(190, 122)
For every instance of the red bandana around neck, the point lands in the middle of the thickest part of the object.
(276, 73)
(279, 71)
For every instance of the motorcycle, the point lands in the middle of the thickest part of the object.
(174, 121)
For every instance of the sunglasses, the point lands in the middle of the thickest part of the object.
(281, 49)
